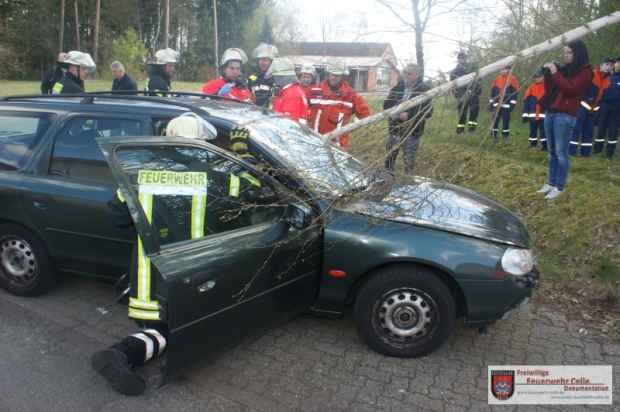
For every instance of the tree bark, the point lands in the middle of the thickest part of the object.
(61, 29)
(167, 28)
(77, 25)
(419, 37)
(96, 41)
(530, 52)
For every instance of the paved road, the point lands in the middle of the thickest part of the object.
(309, 364)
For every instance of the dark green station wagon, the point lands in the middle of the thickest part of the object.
(410, 259)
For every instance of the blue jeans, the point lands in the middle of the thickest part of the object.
(559, 129)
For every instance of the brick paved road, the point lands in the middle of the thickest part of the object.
(309, 364)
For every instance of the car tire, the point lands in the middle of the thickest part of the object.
(405, 311)
(25, 266)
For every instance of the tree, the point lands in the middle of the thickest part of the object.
(266, 35)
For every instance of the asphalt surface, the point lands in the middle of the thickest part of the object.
(309, 364)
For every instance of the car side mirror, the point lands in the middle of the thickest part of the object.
(298, 216)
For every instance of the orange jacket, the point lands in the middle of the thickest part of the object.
(292, 101)
(330, 110)
(220, 87)
(601, 81)
(532, 100)
(504, 90)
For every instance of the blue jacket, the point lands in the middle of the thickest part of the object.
(611, 96)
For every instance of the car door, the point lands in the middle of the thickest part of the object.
(248, 269)
(72, 193)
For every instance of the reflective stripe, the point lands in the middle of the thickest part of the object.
(261, 87)
(340, 118)
(327, 102)
(233, 186)
(144, 264)
(505, 130)
(150, 347)
(316, 121)
(254, 181)
(543, 140)
(460, 125)
(596, 108)
(513, 102)
(472, 123)
(198, 216)
(506, 106)
(57, 89)
(119, 196)
(494, 130)
(542, 116)
(575, 143)
(160, 339)
(139, 304)
(586, 144)
(599, 140)
(491, 100)
(533, 139)
(586, 105)
(526, 115)
(612, 142)
(495, 104)
(143, 314)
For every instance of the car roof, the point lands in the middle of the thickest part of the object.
(212, 106)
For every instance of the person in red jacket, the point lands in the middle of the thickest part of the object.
(532, 110)
(336, 104)
(564, 87)
(231, 83)
(504, 91)
(289, 97)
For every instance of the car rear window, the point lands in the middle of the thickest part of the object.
(19, 133)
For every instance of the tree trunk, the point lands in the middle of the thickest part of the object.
(77, 25)
(217, 54)
(419, 38)
(167, 28)
(96, 42)
(61, 29)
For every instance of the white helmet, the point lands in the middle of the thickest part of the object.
(265, 50)
(191, 126)
(233, 54)
(337, 68)
(282, 66)
(165, 56)
(78, 58)
(307, 68)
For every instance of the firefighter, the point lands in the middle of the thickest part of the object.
(336, 103)
(609, 108)
(231, 83)
(261, 82)
(406, 128)
(54, 74)
(307, 77)
(161, 72)
(117, 363)
(532, 110)
(468, 97)
(79, 65)
(289, 98)
(122, 81)
(504, 91)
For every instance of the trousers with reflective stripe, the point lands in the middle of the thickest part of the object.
(608, 127)
(537, 128)
(583, 133)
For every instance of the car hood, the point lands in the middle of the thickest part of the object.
(446, 207)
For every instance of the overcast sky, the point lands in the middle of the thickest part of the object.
(367, 20)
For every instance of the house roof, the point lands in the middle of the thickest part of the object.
(339, 49)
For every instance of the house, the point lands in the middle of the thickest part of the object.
(370, 64)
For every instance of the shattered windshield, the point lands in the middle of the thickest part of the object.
(325, 168)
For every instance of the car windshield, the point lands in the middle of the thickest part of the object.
(325, 168)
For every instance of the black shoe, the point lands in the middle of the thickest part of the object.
(112, 364)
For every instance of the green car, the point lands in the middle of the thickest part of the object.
(316, 231)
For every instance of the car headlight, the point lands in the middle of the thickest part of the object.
(518, 262)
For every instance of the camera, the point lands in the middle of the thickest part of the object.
(546, 71)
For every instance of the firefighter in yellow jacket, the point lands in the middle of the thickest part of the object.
(117, 363)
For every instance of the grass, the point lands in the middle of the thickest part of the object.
(577, 236)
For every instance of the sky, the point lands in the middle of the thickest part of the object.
(370, 21)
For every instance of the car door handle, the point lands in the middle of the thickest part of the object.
(40, 203)
(207, 286)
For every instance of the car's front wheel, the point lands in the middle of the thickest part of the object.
(25, 267)
(405, 311)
